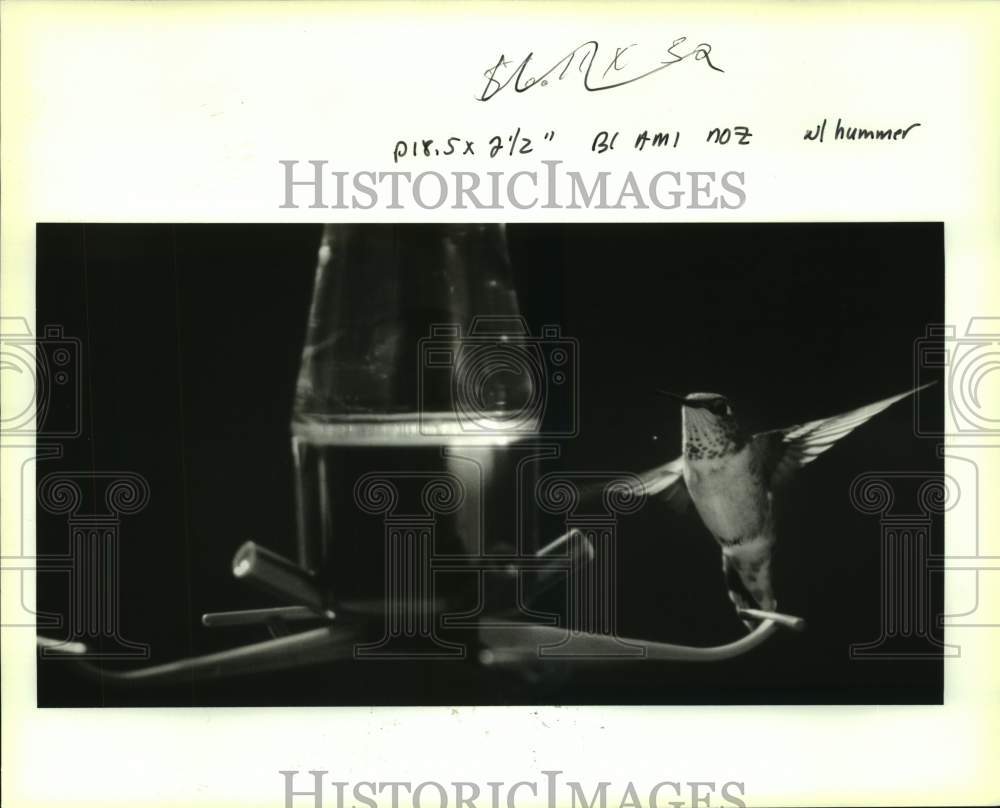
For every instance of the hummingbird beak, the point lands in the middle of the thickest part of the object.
(684, 401)
(674, 396)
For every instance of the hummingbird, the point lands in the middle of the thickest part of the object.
(732, 477)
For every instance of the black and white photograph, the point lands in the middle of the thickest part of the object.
(496, 404)
(376, 464)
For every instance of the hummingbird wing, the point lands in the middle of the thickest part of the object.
(665, 481)
(785, 451)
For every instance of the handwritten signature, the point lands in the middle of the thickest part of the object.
(585, 57)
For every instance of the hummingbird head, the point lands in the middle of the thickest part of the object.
(711, 429)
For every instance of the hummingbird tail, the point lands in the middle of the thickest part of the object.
(749, 583)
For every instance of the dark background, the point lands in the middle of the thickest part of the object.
(191, 341)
